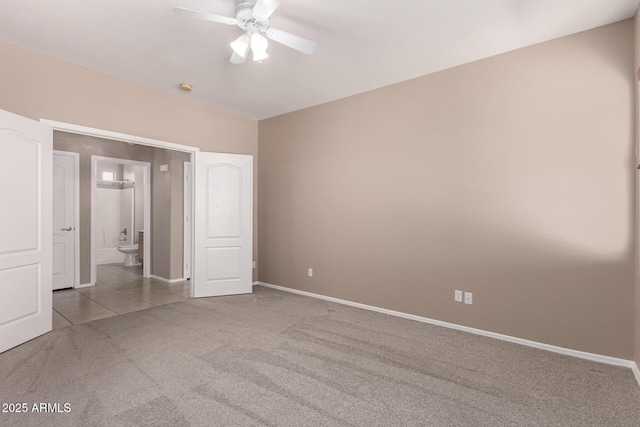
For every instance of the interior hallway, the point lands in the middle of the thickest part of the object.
(118, 290)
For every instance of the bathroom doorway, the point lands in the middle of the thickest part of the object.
(120, 213)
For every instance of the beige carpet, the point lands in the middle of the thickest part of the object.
(279, 359)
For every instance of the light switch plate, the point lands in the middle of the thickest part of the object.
(468, 298)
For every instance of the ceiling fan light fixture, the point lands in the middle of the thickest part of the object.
(259, 55)
(259, 46)
(253, 16)
(241, 45)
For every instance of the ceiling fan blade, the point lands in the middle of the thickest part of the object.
(265, 8)
(204, 15)
(294, 42)
(237, 59)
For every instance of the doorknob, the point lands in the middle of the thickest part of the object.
(66, 229)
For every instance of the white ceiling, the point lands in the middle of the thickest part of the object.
(362, 45)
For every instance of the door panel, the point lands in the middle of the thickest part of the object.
(224, 192)
(20, 178)
(223, 225)
(224, 263)
(25, 229)
(64, 218)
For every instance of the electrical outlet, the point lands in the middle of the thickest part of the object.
(254, 264)
(310, 272)
(458, 296)
(468, 298)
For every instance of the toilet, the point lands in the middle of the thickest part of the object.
(130, 252)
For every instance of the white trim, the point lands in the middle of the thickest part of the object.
(187, 219)
(85, 285)
(162, 279)
(76, 201)
(105, 134)
(566, 351)
(636, 372)
(146, 270)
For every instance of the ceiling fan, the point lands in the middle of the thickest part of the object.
(253, 17)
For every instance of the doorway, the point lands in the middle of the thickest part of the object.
(221, 229)
(120, 188)
(122, 149)
(116, 175)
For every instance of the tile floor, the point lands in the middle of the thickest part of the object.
(118, 290)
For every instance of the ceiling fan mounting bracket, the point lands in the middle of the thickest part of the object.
(245, 18)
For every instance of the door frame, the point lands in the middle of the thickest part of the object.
(76, 213)
(146, 268)
(132, 139)
(186, 218)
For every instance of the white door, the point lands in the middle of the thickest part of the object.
(222, 225)
(64, 221)
(25, 229)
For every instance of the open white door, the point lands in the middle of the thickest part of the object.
(25, 229)
(222, 225)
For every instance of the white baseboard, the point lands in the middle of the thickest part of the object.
(162, 279)
(83, 285)
(636, 372)
(566, 351)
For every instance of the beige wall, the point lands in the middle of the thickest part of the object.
(167, 214)
(176, 247)
(38, 86)
(510, 177)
